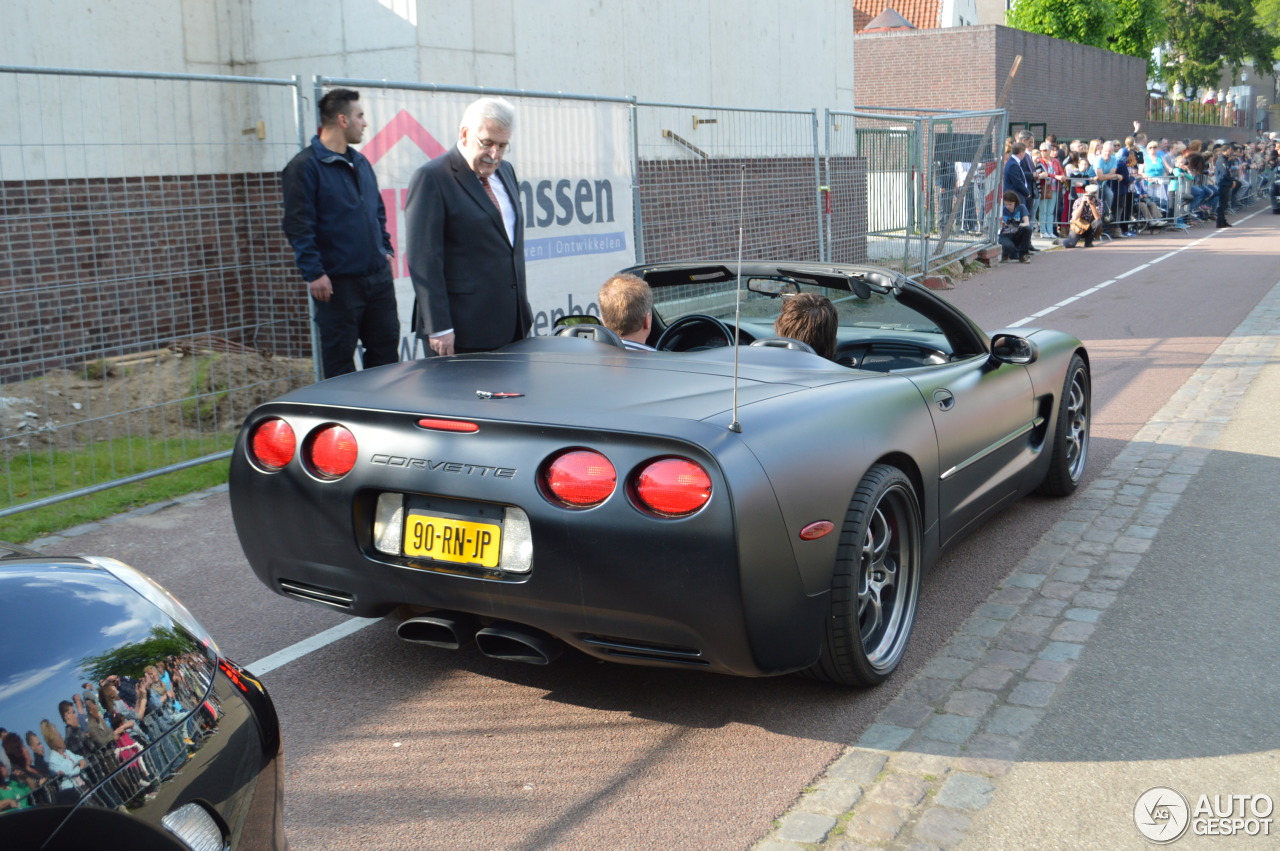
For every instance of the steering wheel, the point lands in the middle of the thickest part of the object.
(671, 338)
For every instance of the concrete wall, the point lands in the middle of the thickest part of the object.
(744, 53)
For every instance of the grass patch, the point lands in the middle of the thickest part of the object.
(207, 390)
(28, 477)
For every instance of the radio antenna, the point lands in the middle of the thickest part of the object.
(736, 426)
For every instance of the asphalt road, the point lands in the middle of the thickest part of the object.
(395, 746)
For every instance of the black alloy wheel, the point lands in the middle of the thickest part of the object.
(876, 582)
(1070, 433)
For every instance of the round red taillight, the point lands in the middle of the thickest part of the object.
(673, 487)
(580, 478)
(331, 451)
(272, 443)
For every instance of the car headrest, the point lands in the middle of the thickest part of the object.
(785, 343)
(599, 333)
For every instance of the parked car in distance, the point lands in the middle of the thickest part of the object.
(123, 727)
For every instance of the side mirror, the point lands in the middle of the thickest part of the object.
(1010, 348)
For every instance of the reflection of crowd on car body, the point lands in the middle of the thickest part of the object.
(104, 728)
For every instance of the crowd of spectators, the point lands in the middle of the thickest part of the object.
(1087, 189)
(103, 729)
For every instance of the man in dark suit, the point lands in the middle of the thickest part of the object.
(1015, 176)
(466, 239)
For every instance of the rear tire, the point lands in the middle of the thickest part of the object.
(875, 584)
(1070, 433)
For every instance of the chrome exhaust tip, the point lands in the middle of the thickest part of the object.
(445, 630)
(515, 643)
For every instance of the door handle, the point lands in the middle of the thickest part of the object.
(944, 399)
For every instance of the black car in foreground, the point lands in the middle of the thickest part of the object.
(731, 502)
(121, 724)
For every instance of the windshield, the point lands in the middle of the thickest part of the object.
(762, 300)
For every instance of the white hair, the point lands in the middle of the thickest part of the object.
(497, 110)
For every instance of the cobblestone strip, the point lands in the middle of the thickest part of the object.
(924, 771)
(57, 543)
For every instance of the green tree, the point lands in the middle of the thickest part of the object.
(1207, 35)
(1268, 12)
(1087, 22)
(131, 659)
(1128, 27)
(1140, 25)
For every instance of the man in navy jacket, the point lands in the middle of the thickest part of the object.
(335, 220)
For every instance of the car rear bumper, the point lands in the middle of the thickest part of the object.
(706, 591)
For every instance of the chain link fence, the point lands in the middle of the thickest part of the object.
(921, 188)
(142, 307)
(704, 173)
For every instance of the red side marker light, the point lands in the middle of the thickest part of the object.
(273, 443)
(438, 424)
(816, 530)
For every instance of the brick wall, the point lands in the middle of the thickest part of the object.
(100, 267)
(1076, 91)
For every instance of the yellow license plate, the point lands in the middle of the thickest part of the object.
(452, 540)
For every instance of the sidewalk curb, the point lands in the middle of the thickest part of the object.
(53, 542)
(932, 761)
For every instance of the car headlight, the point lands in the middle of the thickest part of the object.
(197, 829)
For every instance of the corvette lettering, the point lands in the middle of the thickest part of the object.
(427, 465)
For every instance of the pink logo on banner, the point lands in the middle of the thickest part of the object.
(396, 129)
(403, 125)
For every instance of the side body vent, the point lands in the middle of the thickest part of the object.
(315, 594)
(629, 649)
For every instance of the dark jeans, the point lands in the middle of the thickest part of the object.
(1016, 245)
(362, 309)
(1224, 201)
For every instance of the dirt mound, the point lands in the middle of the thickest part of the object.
(169, 393)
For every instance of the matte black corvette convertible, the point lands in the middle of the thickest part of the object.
(565, 490)
(122, 726)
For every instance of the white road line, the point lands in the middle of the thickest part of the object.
(307, 645)
(1135, 270)
(1024, 320)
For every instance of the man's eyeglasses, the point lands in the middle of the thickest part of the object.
(488, 145)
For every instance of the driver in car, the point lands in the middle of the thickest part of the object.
(626, 308)
(809, 318)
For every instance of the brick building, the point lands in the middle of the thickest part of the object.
(1073, 90)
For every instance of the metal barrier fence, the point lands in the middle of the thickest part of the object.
(148, 298)
(1150, 204)
(927, 182)
(702, 172)
(140, 233)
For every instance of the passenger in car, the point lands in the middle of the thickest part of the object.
(809, 318)
(626, 308)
